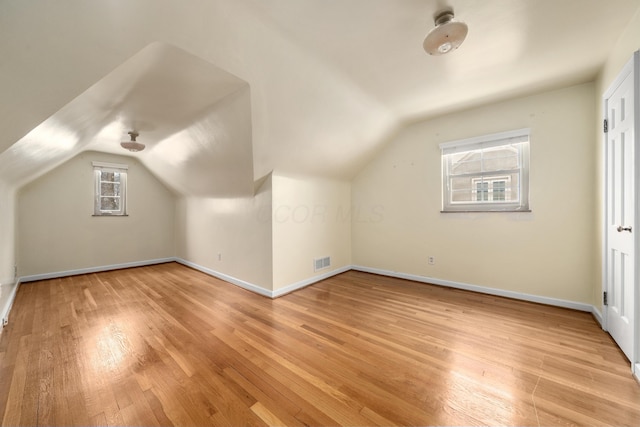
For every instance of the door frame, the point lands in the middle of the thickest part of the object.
(631, 67)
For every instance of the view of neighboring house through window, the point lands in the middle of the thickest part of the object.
(110, 189)
(488, 173)
(491, 189)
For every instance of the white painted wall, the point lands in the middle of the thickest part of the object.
(238, 229)
(628, 43)
(7, 247)
(548, 252)
(311, 219)
(57, 232)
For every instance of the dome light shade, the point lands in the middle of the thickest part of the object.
(132, 145)
(446, 36)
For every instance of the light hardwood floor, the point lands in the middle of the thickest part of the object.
(167, 345)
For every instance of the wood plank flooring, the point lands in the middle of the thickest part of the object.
(167, 345)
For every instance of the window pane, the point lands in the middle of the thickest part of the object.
(496, 163)
(482, 191)
(110, 189)
(109, 203)
(463, 163)
(465, 156)
(461, 183)
(498, 190)
(110, 176)
(501, 151)
(484, 160)
(461, 190)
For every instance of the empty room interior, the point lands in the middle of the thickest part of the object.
(312, 212)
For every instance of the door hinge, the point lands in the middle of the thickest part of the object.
(604, 298)
(605, 126)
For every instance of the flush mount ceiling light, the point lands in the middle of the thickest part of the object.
(446, 36)
(132, 145)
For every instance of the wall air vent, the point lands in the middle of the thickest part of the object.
(320, 263)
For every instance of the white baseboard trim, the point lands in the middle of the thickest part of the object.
(259, 289)
(598, 316)
(227, 278)
(7, 306)
(57, 274)
(306, 282)
(310, 281)
(481, 289)
(636, 371)
(233, 280)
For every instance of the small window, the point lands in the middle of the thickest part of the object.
(487, 173)
(110, 189)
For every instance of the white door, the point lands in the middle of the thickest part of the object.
(621, 168)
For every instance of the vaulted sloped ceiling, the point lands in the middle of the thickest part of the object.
(194, 118)
(225, 91)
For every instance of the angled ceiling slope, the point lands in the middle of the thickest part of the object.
(513, 48)
(193, 117)
(331, 81)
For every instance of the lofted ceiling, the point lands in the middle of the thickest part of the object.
(225, 91)
(194, 119)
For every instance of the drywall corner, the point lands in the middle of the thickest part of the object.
(311, 221)
(229, 236)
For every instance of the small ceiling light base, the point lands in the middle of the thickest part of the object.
(132, 145)
(448, 34)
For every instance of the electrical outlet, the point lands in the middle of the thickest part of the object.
(431, 260)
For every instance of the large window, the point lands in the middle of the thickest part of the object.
(110, 189)
(487, 173)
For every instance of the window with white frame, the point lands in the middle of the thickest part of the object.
(491, 189)
(110, 189)
(486, 173)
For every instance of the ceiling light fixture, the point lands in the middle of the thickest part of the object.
(132, 145)
(446, 36)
